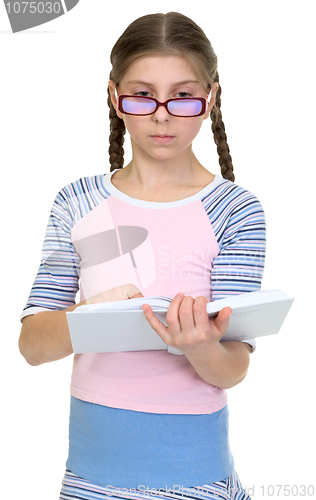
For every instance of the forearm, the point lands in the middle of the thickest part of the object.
(45, 336)
(224, 366)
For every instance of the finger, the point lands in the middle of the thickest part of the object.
(121, 292)
(138, 295)
(154, 322)
(186, 314)
(200, 315)
(172, 317)
(222, 319)
(130, 290)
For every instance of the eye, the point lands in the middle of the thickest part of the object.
(183, 94)
(143, 93)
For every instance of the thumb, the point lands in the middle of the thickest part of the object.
(131, 291)
(222, 319)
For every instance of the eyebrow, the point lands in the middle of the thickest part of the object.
(177, 84)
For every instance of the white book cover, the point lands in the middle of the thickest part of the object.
(122, 326)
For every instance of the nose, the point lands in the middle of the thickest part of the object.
(161, 115)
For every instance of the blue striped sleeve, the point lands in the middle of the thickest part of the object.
(238, 222)
(56, 283)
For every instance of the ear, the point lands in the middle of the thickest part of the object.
(212, 101)
(113, 93)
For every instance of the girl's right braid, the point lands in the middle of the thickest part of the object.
(117, 132)
(220, 137)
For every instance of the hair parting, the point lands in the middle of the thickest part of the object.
(171, 33)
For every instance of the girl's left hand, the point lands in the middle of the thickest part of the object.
(189, 327)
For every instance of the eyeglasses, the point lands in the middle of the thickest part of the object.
(182, 106)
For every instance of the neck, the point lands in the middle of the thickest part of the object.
(150, 173)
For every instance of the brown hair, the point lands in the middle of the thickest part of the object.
(171, 33)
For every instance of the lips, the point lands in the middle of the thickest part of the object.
(162, 139)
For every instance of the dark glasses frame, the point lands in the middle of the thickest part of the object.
(164, 104)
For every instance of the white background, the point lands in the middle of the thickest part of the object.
(54, 130)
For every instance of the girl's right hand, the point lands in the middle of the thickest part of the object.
(123, 292)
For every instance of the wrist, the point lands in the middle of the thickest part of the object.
(205, 353)
(72, 308)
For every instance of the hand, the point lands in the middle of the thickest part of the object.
(122, 292)
(189, 328)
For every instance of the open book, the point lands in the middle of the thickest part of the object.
(122, 326)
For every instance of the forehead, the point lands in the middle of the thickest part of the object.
(161, 70)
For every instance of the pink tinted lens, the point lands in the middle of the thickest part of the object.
(138, 106)
(191, 107)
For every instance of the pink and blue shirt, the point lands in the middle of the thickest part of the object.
(147, 416)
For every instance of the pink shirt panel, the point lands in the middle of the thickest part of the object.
(162, 252)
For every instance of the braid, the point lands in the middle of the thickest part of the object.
(117, 132)
(220, 137)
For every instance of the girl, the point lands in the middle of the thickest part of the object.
(151, 423)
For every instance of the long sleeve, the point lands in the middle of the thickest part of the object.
(239, 225)
(56, 282)
(238, 222)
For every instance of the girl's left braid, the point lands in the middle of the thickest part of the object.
(117, 132)
(220, 137)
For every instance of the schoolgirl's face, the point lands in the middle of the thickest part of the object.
(162, 136)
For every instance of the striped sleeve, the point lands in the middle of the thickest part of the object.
(238, 221)
(56, 283)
